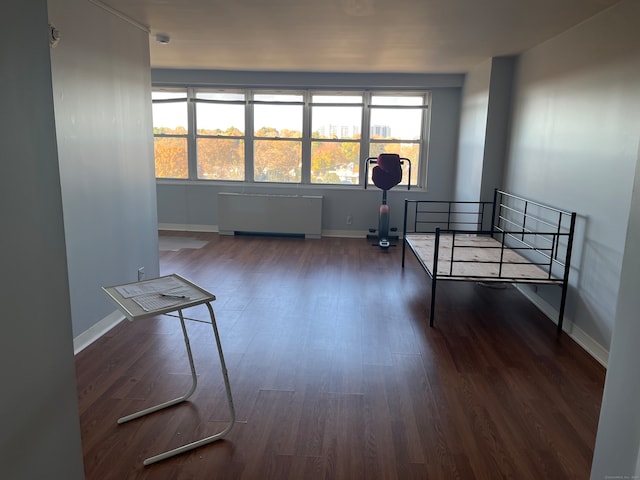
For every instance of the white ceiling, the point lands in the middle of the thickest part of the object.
(401, 36)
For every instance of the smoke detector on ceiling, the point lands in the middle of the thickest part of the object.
(162, 38)
(358, 8)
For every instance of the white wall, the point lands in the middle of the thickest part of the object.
(473, 130)
(498, 124)
(39, 428)
(574, 145)
(102, 97)
(194, 205)
(78, 212)
(617, 451)
(484, 127)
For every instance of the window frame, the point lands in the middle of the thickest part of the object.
(186, 136)
(193, 101)
(306, 138)
(252, 104)
(340, 139)
(420, 172)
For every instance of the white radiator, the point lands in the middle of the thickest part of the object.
(272, 214)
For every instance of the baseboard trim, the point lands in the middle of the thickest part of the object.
(344, 233)
(180, 227)
(96, 331)
(592, 347)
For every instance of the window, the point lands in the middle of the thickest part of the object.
(311, 137)
(220, 135)
(170, 134)
(277, 133)
(396, 127)
(336, 123)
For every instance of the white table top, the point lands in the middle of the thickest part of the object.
(156, 296)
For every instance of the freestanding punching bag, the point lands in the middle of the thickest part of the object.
(386, 175)
(388, 171)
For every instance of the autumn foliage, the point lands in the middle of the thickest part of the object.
(277, 156)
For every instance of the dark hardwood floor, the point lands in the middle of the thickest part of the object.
(336, 374)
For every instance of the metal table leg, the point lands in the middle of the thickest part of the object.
(227, 386)
(194, 382)
(184, 397)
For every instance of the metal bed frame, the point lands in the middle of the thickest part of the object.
(535, 233)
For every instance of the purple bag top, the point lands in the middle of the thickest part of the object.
(388, 172)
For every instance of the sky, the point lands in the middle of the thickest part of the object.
(404, 123)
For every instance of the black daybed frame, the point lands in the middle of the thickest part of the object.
(521, 242)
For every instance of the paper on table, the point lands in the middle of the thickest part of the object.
(155, 301)
(157, 285)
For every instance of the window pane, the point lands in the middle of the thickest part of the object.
(335, 162)
(277, 161)
(333, 140)
(220, 158)
(277, 97)
(223, 96)
(170, 118)
(336, 99)
(397, 100)
(336, 122)
(167, 95)
(220, 119)
(397, 124)
(171, 157)
(405, 150)
(283, 121)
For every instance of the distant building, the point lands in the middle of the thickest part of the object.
(383, 131)
(352, 131)
(339, 131)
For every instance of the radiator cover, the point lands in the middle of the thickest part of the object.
(270, 214)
